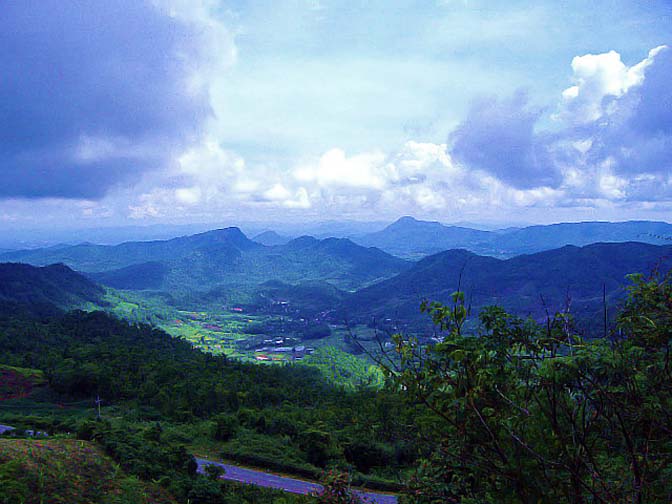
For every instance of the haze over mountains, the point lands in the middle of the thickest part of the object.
(411, 238)
(203, 261)
(360, 282)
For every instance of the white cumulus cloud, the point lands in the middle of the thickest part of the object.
(596, 77)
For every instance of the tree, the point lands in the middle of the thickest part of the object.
(214, 471)
(226, 427)
(317, 445)
(336, 490)
(525, 413)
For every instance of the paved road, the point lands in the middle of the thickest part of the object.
(260, 478)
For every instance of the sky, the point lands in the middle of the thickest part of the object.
(138, 112)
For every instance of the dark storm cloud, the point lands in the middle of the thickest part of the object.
(92, 94)
(498, 136)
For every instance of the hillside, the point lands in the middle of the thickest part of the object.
(222, 257)
(88, 257)
(518, 284)
(408, 237)
(149, 275)
(164, 400)
(68, 471)
(46, 288)
(312, 297)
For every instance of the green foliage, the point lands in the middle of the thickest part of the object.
(524, 413)
(317, 331)
(365, 454)
(13, 488)
(225, 427)
(67, 472)
(336, 490)
(205, 491)
(214, 472)
(647, 316)
(344, 369)
(318, 446)
(163, 399)
(43, 291)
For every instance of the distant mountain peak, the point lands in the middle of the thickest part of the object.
(303, 241)
(410, 223)
(229, 232)
(230, 236)
(271, 238)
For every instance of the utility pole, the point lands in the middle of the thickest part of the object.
(98, 402)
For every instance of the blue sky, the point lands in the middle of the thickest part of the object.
(211, 111)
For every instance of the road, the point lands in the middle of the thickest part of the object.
(264, 479)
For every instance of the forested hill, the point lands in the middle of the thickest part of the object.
(164, 400)
(45, 289)
(521, 284)
(222, 257)
(89, 257)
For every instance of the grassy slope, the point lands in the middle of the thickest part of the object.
(19, 382)
(67, 471)
(345, 369)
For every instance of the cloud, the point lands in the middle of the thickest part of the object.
(629, 142)
(334, 169)
(612, 140)
(419, 177)
(95, 93)
(597, 77)
(498, 136)
(498, 161)
(140, 126)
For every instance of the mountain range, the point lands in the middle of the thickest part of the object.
(359, 282)
(222, 257)
(568, 277)
(578, 278)
(411, 238)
